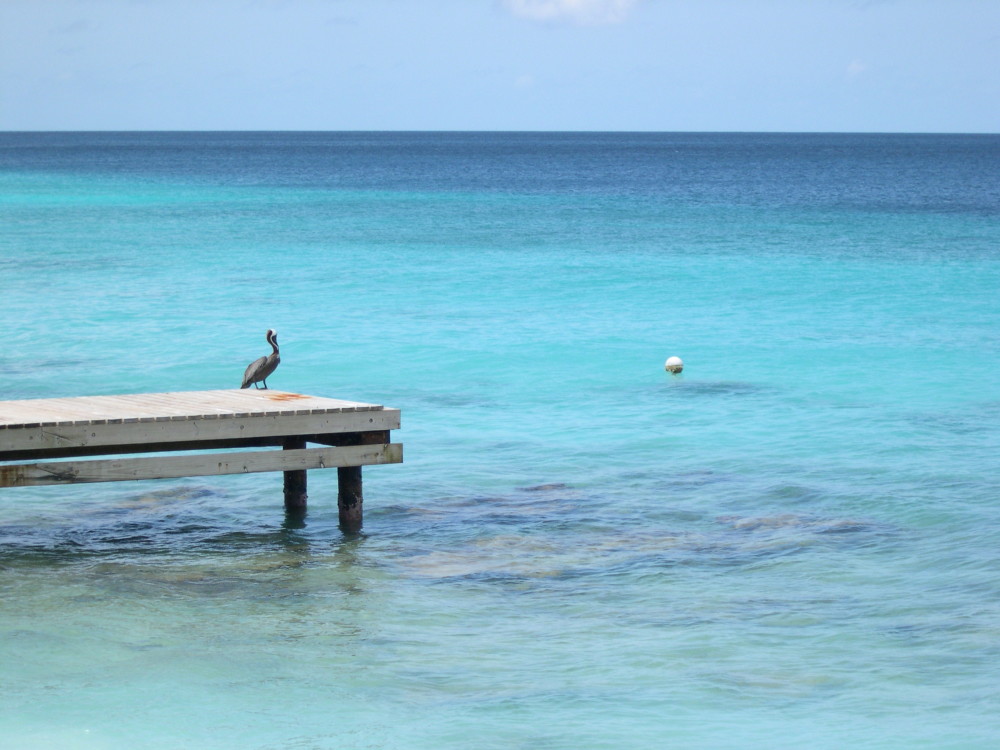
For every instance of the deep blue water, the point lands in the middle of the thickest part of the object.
(795, 543)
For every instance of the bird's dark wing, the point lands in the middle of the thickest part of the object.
(253, 369)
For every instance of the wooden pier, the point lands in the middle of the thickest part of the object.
(196, 431)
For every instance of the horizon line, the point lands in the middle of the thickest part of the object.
(4, 131)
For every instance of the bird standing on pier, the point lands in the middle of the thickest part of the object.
(259, 369)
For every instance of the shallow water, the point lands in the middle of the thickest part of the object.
(792, 544)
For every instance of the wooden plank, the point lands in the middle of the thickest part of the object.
(202, 464)
(166, 406)
(122, 434)
(42, 411)
(334, 439)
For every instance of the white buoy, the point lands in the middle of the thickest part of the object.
(674, 365)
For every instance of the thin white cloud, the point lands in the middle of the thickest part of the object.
(856, 68)
(582, 12)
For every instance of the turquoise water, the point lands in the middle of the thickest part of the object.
(795, 543)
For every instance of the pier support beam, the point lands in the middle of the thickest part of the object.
(295, 481)
(349, 499)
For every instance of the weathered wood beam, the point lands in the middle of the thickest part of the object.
(296, 480)
(368, 437)
(371, 437)
(192, 465)
(120, 434)
(349, 500)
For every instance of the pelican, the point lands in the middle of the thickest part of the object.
(259, 369)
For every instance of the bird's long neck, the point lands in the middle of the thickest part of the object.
(274, 344)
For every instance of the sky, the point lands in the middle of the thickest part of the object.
(579, 65)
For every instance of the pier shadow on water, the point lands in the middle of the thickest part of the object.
(180, 539)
